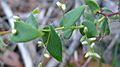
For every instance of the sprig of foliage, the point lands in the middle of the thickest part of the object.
(29, 30)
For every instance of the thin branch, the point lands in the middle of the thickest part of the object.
(62, 28)
(108, 15)
(5, 32)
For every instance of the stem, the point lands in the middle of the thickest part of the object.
(101, 19)
(5, 32)
(62, 28)
(46, 30)
(108, 15)
(59, 28)
(113, 14)
(77, 27)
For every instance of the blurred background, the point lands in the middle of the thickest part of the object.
(30, 54)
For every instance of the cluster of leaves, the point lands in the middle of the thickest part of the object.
(29, 29)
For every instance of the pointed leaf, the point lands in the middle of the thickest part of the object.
(54, 45)
(93, 6)
(24, 32)
(88, 17)
(36, 11)
(71, 18)
(32, 21)
(105, 29)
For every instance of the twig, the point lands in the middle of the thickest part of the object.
(108, 15)
(62, 28)
(5, 32)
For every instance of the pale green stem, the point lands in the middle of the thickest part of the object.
(5, 32)
(100, 20)
(62, 28)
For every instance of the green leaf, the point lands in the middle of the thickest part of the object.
(88, 17)
(93, 6)
(54, 45)
(2, 44)
(70, 18)
(92, 32)
(36, 11)
(105, 29)
(32, 21)
(25, 32)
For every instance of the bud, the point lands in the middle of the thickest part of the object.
(58, 4)
(92, 39)
(61, 5)
(40, 65)
(85, 30)
(88, 54)
(14, 31)
(96, 55)
(83, 38)
(46, 55)
(92, 45)
(85, 43)
(92, 54)
(40, 43)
